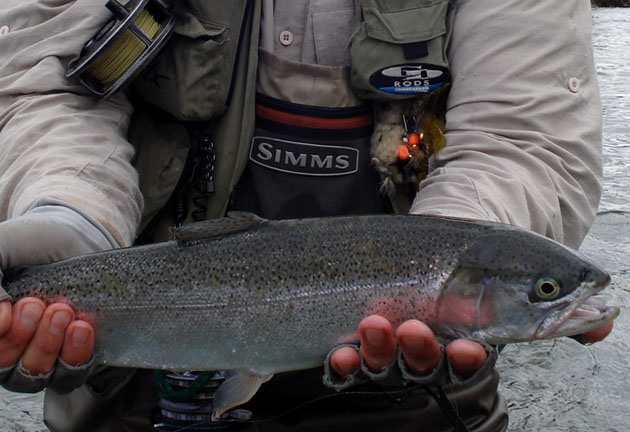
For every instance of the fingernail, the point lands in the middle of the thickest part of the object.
(346, 371)
(413, 344)
(375, 336)
(80, 337)
(341, 368)
(30, 314)
(467, 363)
(59, 322)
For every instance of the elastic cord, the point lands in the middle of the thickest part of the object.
(447, 408)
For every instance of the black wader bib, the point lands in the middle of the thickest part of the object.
(309, 162)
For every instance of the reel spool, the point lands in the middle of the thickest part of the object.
(123, 46)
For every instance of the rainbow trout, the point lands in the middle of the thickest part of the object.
(269, 296)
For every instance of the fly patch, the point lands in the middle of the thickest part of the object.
(304, 159)
(410, 78)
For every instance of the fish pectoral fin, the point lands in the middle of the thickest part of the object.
(235, 221)
(239, 387)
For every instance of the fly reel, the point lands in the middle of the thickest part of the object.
(124, 45)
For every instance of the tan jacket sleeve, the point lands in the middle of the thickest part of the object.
(524, 119)
(56, 141)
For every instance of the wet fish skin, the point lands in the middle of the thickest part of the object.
(279, 295)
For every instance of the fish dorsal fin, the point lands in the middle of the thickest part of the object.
(239, 387)
(236, 221)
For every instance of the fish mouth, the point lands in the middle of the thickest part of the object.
(574, 319)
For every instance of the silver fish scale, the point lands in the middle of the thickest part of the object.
(273, 298)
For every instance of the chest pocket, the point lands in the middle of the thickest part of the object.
(399, 47)
(192, 77)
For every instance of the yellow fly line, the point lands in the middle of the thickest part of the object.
(122, 54)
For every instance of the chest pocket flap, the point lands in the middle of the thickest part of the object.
(191, 78)
(405, 26)
(398, 39)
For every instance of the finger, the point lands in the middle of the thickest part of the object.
(377, 342)
(42, 352)
(26, 316)
(78, 344)
(420, 349)
(345, 361)
(5, 317)
(466, 356)
(599, 333)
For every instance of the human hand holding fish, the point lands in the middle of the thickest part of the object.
(37, 334)
(487, 282)
(421, 349)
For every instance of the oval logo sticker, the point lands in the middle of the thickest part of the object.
(410, 78)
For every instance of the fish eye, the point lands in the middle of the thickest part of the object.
(547, 288)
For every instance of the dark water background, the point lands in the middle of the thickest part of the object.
(556, 385)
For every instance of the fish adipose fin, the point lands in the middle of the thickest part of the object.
(234, 222)
(239, 387)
